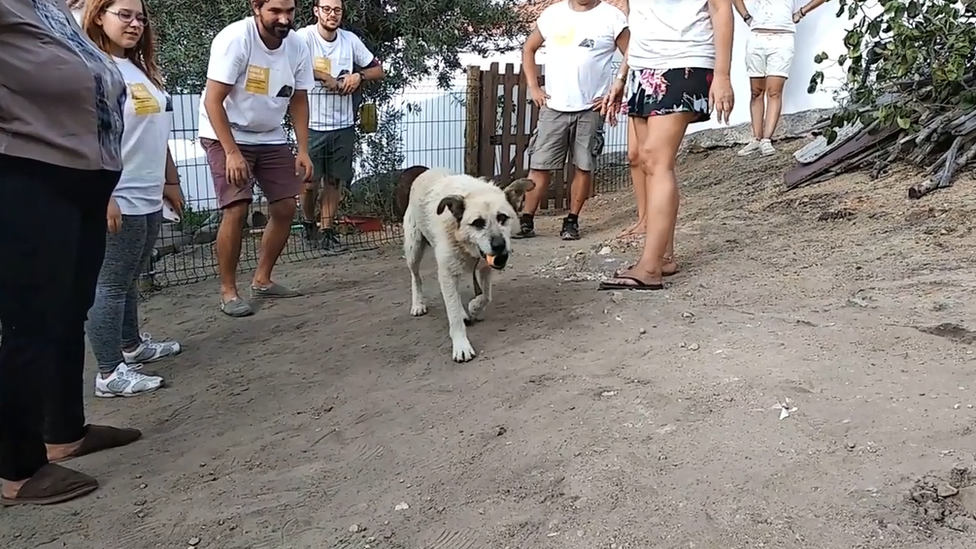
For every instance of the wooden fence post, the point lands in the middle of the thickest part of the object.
(472, 122)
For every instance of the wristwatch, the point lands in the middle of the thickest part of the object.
(747, 18)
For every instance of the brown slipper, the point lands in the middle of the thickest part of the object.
(101, 437)
(52, 484)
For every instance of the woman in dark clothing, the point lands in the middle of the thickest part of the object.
(60, 140)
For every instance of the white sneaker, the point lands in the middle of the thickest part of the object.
(751, 147)
(151, 351)
(126, 381)
(766, 147)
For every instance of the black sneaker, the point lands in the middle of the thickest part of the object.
(330, 244)
(310, 232)
(570, 229)
(526, 228)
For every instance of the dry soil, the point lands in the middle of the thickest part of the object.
(589, 420)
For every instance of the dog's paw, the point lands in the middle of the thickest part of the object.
(477, 306)
(418, 309)
(463, 351)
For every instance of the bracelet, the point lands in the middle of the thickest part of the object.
(747, 18)
(802, 13)
(169, 183)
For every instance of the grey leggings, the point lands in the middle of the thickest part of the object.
(113, 320)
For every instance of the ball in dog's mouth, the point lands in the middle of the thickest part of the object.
(496, 261)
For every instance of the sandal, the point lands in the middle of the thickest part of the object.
(101, 437)
(638, 284)
(52, 484)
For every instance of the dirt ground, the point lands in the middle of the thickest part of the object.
(589, 420)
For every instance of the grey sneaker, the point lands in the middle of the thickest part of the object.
(330, 243)
(526, 228)
(126, 381)
(151, 351)
(570, 230)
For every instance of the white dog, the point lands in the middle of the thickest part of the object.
(468, 221)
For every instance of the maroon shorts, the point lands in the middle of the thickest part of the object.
(273, 168)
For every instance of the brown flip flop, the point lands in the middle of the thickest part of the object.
(52, 484)
(101, 437)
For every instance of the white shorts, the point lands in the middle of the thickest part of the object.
(769, 54)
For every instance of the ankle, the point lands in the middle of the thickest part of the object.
(572, 218)
(527, 218)
(10, 488)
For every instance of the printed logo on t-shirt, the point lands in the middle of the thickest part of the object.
(587, 43)
(564, 37)
(169, 103)
(323, 64)
(143, 100)
(257, 80)
(285, 91)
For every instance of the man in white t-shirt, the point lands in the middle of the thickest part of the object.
(341, 63)
(769, 57)
(580, 37)
(258, 71)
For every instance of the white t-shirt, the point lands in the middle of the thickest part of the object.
(264, 81)
(579, 48)
(671, 34)
(148, 117)
(329, 110)
(773, 15)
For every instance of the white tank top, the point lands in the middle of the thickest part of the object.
(671, 34)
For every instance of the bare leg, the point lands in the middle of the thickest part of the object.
(757, 106)
(538, 193)
(636, 176)
(659, 150)
(581, 189)
(331, 196)
(307, 198)
(774, 104)
(274, 240)
(229, 248)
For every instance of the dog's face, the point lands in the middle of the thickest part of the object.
(485, 220)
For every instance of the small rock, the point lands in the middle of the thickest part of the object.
(605, 250)
(961, 523)
(642, 331)
(687, 314)
(402, 506)
(500, 430)
(140, 515)
(923, 496)
(355, 528)
(616, 297)
(140, 502)
(694, 347)
(194, 542)
(946, 491)
(851, 445)
(143, 486)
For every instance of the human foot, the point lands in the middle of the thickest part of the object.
(633, 279)
(95, 439)
(635, 229)
(668, 268)
(50, 484)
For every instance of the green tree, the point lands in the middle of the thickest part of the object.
(906, 62)
(415, 39)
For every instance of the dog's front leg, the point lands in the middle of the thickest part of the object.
(476, 306)
(462, 350)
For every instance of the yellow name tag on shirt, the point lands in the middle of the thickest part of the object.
(323, 64)
(257, 80)
(143, 100)
(564, 37)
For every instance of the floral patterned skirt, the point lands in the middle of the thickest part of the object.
(654, 92)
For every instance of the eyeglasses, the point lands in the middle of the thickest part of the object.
(327, 10)
(128, 16)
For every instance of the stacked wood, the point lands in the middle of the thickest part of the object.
(941, 143)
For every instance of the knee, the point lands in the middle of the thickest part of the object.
(234, 214)
(656, 161)
(774, 93)
(633, 156)
(282, 209)
(758, 93)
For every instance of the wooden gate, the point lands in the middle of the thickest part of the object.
(500, 120)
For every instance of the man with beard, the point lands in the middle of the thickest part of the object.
(336, 54)
(258, 71)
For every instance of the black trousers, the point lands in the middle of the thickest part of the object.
(52, 242)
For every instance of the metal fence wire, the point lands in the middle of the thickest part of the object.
(422, 126)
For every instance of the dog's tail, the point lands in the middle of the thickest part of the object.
(401, 195)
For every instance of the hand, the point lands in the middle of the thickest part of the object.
(721, 99)
(114, 216)
(797, 16)
(327, 80)
(610, 105)
(237, 171)
(174, 194)
(349, 83)
(539, 96)
(303, 166)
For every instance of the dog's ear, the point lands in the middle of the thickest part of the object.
(454, 203)
(516, 190)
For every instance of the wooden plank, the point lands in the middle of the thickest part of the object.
(806, 172)
(472, 121)
(509, 83)
(489, 98)
(521, 138)
(817, 148)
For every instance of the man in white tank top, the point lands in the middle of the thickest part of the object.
(769, 57)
